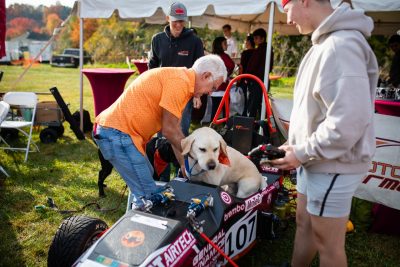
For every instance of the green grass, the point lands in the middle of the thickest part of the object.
(67, 172)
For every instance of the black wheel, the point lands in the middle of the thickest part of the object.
(48, 136)
(59, 129)
(73, 237)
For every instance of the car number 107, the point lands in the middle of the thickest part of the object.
(241, 234)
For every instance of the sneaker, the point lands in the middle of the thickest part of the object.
(145, 207)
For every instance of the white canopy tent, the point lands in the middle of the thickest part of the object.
(243, 15)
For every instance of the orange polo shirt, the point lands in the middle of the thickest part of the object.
(138, 111)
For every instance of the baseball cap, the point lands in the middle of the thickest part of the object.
(284, 2)
(177, 11)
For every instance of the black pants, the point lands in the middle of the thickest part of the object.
(216, 100)
(254, 101)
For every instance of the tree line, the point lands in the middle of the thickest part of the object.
(112, 40)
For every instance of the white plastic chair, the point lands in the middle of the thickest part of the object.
(25, 101)
(4, 108)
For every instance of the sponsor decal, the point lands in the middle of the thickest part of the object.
(266, 168)
(132, 239)
(237, 209)
(269, 189)
(253, 202)
(226, 198)
(153, 222)
(208, 255)
(110, 262)
(175, 251)
(241, 127)
(383, 175)
(179, 11)
(183, 53)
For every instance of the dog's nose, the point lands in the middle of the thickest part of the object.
(211, 165)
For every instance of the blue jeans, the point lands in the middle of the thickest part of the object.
(136, 170)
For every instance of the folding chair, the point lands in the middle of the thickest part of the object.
(26, 103)
(4, 108)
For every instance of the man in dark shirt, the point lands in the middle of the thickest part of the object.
(256, 66)
(177, 46)
(394, 74)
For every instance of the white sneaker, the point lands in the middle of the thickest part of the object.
(146, 206)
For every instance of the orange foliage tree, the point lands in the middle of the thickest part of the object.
(20, 25)
(89, 27)
(52, 21)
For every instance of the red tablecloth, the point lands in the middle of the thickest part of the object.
(107, 85)
(140, 65)
(387, 107)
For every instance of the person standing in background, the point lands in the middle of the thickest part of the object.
(219, 47)
(231, 41)
(331, 136)
(177, 46)
(244, 61)
(394, 74)
(256, 66)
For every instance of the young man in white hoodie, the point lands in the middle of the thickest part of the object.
(331, 136)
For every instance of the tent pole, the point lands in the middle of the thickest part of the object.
(80, 67)
(268, 54)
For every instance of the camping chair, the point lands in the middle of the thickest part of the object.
(4, 108)
(26, 103)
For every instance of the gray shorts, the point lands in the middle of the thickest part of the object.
(328, 194)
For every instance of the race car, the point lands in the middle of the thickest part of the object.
(194, 224)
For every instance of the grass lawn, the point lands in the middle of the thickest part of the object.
(67, 172)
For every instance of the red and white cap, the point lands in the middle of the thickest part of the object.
(284, 2)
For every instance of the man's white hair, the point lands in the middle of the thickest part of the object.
(211, 63)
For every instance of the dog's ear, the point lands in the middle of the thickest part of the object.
(223, 154)
(186, 144)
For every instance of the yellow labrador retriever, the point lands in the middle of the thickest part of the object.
(210, 160)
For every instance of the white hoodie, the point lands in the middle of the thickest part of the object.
(331, 125)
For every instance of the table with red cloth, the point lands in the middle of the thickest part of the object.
(141, 65)
(107, 85)
(387, 107)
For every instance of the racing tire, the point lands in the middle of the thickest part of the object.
(73, 237)
(59, 129)
(48, 136)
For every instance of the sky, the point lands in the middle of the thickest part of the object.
(69, 3)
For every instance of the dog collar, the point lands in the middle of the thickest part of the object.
(189, 169)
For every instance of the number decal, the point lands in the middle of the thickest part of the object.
(241, 234)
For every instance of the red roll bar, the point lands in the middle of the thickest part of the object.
(225, 101)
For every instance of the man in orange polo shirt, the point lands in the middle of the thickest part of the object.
(151, 104)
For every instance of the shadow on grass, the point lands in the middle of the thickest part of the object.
(10, 244)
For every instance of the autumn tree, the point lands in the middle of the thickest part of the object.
(20, 25)
(112, 41)
(52, 22)
(23, 10)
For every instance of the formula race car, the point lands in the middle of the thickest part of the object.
(195, 224)
(187, 224)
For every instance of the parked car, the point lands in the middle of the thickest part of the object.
(70, 58)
